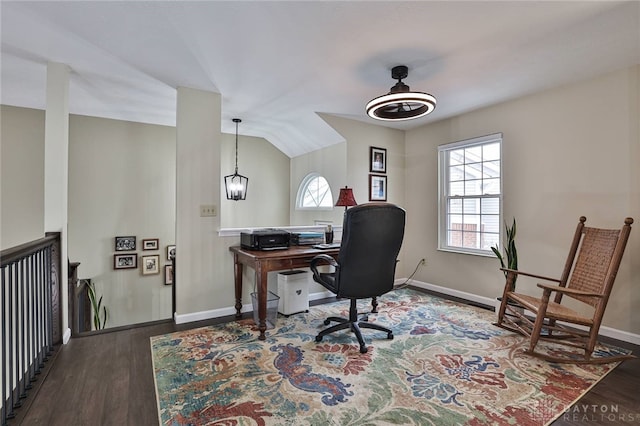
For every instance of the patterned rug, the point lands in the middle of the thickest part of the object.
(447, 365)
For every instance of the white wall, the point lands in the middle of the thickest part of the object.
(567, 152)
(267, 169)
(22, 175)
(122, 182)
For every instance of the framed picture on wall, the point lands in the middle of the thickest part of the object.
(171, 252)
(125, 243)
(125, 261)
(377, 188)
(151, 264)
(150, 244)
(168, 274)
(377, 160)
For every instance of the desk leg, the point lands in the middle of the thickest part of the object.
(261, 279)
(237, 276)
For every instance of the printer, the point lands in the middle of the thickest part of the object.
(264, 239)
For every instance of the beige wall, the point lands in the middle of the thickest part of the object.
(563, 157)
(360, 137)
(22, 175)
(330, 162)
(122, 182)
(567, 152)
(267, 169)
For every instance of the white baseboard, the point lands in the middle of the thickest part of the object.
(66, 336)
(625, 336)
(223, 312)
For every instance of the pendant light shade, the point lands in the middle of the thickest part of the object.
(400, 103)
(236, 184)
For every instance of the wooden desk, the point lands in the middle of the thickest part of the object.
(264, 262)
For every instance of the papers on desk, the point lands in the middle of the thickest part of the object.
(327, 246)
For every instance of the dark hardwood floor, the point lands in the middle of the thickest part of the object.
(107, 379)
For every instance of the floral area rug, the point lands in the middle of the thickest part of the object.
(447, 365)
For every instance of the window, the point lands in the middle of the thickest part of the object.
(470, 195)
(314, 193)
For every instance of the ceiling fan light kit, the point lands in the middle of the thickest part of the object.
(400, 103)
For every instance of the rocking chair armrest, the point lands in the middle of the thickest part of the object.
(569, 291)
(530, 275)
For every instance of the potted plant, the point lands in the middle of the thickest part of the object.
(510, 251)
(99, 311)
(508, 259)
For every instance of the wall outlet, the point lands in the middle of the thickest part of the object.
(423, 261)
(208, 210)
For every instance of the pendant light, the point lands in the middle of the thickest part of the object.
(236, 184)
(400, 103)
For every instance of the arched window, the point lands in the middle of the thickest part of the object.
(314, 193)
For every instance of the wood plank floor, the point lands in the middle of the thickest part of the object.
(107, 379)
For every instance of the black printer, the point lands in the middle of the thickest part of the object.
(264, 239)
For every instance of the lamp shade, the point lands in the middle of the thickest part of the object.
(346, 198)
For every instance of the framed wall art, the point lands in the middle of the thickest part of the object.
(377, 188)
(125, 261)
(150, 244)
(151, 264)
(168, 274)
(171, 252)
(377, 160)
(125, 243)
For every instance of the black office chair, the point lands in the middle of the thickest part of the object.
(371, 239)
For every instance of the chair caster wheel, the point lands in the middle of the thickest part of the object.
(390, 336)
(318, 338)
(327, 322)
(363, 349)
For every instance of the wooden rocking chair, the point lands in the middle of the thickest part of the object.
(588, 276)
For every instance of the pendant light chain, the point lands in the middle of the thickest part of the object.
(236, 120)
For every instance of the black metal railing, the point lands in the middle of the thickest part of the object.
(30, 299)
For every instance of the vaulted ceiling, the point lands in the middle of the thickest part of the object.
(278, 64)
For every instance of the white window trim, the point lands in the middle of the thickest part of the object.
(301, 189)
(443, 182)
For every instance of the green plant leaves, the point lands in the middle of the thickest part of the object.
(510, 251)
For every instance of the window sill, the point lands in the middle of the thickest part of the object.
(469, 252)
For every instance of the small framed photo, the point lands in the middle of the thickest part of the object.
(125, 261)
(150, 244)
(171, 252)
(377, 188)
(168, 274)
(151, 264)
(377, 160)
(125, 243)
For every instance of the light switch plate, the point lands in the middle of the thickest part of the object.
(208, 210)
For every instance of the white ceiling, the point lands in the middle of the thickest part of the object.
(278, 64)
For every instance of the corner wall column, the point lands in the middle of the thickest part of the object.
(56, 171)
(199, 252)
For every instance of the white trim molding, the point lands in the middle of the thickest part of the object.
(223, 312)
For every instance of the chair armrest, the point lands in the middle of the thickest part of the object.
(530, 275)
(319, 277)
(319, 260)
(568, 291)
